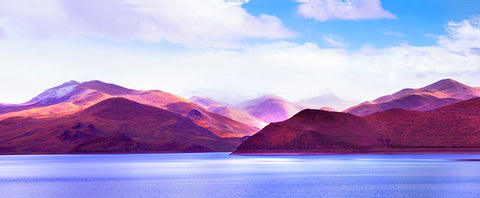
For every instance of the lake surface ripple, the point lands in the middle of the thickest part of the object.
(222, 175)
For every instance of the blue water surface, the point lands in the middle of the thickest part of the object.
(222, 175)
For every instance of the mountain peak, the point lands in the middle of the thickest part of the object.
(441, 93)
(271, 96)
(270, 108)
(119, 108)
(116, 101)
(69, 83)
(445, 84)
(56, 94)
(108, 88)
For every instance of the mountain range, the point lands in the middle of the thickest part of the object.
(270, 108)
(228, 111)
(452, 128)
(256, 112)
(99, 117)
(72, 97)
(438, 94)
(113, 125)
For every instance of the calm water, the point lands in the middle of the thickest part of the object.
(221, 175)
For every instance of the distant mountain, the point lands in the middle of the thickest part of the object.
(331, 102)
(438, 94)
(416, 101)
(449, 129)
(270, 108)
(72, 97)
(234, 114)
(205, 101)
(328, 109)
(115, 125)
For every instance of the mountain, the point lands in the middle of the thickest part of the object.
(51, 96)
(270, 108)
(313, 131)
(327, 109)
(467, 106)
(205, 101)
(56, 94)
(72, 97)
(449, 129)
(234, 114)
(332, 102)
(416, 101)
(115, 125)
(438, 94)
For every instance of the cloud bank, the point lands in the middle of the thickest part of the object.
(463, 37)
(324, 10)
(291, 70)
(206, 23)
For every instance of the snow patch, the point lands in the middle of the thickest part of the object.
(63, 91)
(53, 94)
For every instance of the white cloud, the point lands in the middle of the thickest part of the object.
(463, 37)
(206, 23)
(334, 41)
(236, 2)
(291, 70)
(323, 10)
(397, 34)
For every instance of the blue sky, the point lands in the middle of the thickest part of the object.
(238, 49)
(416, 22)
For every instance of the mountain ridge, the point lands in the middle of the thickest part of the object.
(88, 93)
(441, 93)
(115, 125)
(269, 108)
(452, 128)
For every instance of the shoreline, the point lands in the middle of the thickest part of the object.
(390, 152)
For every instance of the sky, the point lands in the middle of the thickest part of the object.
(232, 50)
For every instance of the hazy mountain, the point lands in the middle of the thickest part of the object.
(331, 102)
(205, 101)
(270, 108)
(234, 114)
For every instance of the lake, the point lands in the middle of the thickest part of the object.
(221, 175)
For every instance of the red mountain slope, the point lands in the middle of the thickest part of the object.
(449, 129)
(314, 131)
(73, 97)
(115, 125)
(466, 106)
